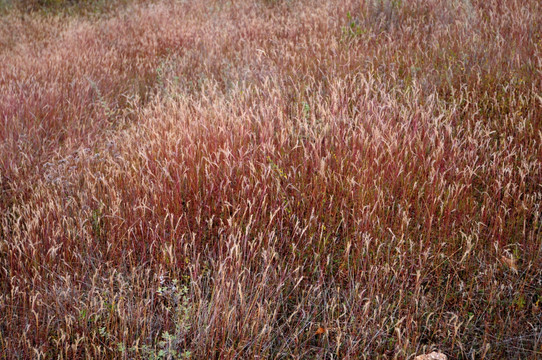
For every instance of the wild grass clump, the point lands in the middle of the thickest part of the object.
(272, 179)
(56, 7)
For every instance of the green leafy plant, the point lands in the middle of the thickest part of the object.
(170, 345)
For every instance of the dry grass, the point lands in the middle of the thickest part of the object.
(272, 179)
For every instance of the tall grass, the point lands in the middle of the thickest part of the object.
(272, 179)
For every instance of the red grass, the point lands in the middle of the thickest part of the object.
(272, 179)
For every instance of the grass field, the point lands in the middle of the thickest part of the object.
(270, 179)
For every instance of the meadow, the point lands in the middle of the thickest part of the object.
(270, 179)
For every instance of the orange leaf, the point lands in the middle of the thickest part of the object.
(511, 263)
